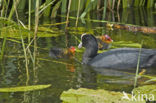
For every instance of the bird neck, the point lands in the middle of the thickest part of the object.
(89, 54)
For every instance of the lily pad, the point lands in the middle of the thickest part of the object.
(83, 95)
(24, 88)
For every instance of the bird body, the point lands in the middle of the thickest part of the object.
(121, 58)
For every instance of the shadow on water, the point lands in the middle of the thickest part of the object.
(67, 73)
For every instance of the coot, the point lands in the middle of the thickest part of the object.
(104, 42)
(121, 58)
(58, 53)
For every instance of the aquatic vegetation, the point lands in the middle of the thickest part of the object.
(24, 88)
(29, 28)
(83, 95)
(146, 91)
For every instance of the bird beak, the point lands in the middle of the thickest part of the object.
(80, 45)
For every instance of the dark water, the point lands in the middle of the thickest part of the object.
(64, 73)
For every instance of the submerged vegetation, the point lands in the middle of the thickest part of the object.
(26, 31)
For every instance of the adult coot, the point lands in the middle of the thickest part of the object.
(121, 58)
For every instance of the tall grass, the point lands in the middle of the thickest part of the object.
(67, 20)
(29, 17)
(62, 5)
(88, 7)
(23, 45)
(104, 10)
(138, 63)
(150, 3)
(15, 3)
(35, 34)
(3, 47)
(78, 12)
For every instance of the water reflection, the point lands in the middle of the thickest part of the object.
(136, 16)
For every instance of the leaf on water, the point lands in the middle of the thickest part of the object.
(14, 32)
(24, 88)
(148, 91)
(83, 95)
(126, 44)
(55, 61)
(61, 23)
(80, 30)
(46, 29)
(151, 80)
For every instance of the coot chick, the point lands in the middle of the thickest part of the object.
(104, 42)
(58, 53)
(121, 58)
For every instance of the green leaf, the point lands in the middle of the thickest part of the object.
(24, 88)
(83, 95)
(126, 44)
(55, 8)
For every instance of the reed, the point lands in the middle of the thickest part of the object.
(29, 18)
(3, 5)
(3, 47)
(35, 34)
(47, 10)
(118, 5)
(109, 5)
(22, 4)
(104, 10)
(98, 4)
(15, 3)
(23, 45)
(124, 3)
(142, 3)
(150, 3)
(113, 4)
(78, 12)
(138, 63)
(67, 20)
(88, 8)
(46, 6)
(55, 9)
(77, 6)
(63, 7)
(36, 17)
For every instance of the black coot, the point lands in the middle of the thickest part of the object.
(121, 58)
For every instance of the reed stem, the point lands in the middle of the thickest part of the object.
(67, 20)
(35, 34)
(78, 13)
(23, 45)
(29, 21)
(118, 5)
(3, 47)
(15, 3)
(104, 10)
(138, 63)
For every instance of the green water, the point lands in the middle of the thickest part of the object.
(64, 74)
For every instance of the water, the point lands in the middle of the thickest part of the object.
(64, 73)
